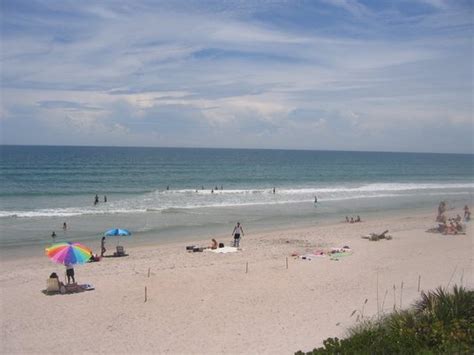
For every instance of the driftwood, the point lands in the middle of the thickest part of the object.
(375, 236)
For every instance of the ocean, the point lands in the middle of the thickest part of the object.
(163, 194)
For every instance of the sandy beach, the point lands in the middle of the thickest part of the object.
(207, 303)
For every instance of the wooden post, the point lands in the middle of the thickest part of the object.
(286, 262)
(146, 294)
(247, 267)
(419, 280)
(394, 298)
(378, 309)
(401, 295)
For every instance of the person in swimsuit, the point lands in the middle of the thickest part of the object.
(237, 232)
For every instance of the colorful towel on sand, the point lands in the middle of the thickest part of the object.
(337, 253)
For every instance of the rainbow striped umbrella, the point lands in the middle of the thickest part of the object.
(69, 253)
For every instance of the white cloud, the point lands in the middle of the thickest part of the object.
(122, 68)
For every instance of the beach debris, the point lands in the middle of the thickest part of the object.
(375, 236)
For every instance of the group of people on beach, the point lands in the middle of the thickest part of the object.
(237, 234)
(96, 199)
(452, 225)
(352, 220)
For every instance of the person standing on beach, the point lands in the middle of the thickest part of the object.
(64, 226)
(53, 235)
(105, 198)
(274, 191)
(237, 232)
(467, 213)
(102, 247)
(96, 200)
(70, 274)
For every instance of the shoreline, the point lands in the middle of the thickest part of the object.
(207, 303)
(37, 249)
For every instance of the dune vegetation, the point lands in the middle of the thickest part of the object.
(440, 322)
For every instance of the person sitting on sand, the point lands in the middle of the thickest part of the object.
(459, 226)
(213, 244)
(54, 284)
(467, 213)
(352, 219)
(358, 219)
(442, 227)
(94, 258)
(347, 219)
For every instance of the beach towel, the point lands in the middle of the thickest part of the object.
(87, 287)
(224, 250)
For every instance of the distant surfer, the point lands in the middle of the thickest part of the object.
(315, 199)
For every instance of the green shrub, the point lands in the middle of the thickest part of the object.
(439, 323)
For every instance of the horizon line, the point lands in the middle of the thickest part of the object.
(228, 148)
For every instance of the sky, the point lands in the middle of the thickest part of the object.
(368, 75)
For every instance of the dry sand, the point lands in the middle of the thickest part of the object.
(206, 303)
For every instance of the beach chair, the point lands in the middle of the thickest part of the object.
(54, 286)
(120, 251)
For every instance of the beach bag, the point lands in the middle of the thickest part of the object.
(221, 245)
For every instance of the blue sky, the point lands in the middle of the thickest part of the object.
(328, 74)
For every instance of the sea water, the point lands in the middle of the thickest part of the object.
(163, 194)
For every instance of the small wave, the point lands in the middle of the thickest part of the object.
(378, 187)
(64, 213)
(187, 201)
(375, 187)
(174, 210)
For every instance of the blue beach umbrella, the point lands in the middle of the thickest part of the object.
(117, 232)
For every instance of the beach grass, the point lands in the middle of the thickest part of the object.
(440, 322)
